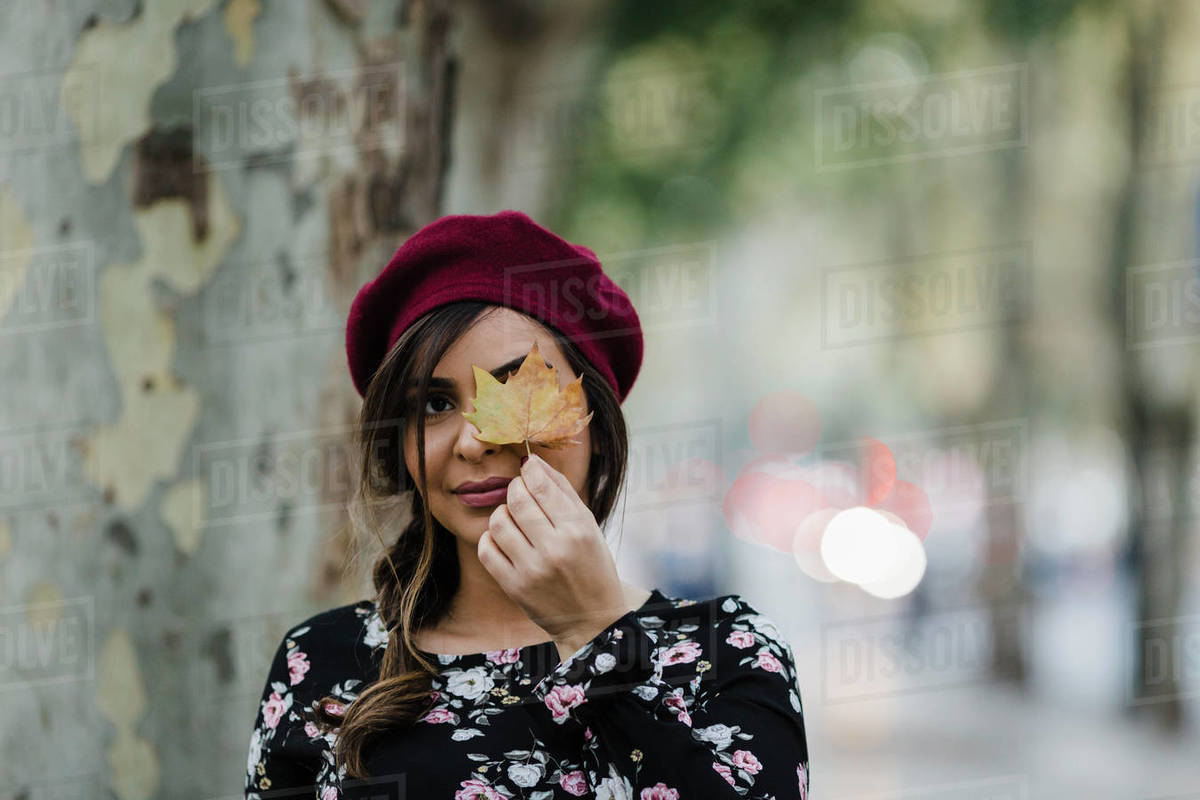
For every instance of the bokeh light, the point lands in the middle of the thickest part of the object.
(837, 481)
(911, 504)
(877, 467)
(905, 572)
(767, 509)
(806, 545)
(859, 545)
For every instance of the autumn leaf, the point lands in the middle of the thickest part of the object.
(528, 407)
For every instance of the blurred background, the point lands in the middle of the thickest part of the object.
(919, 284)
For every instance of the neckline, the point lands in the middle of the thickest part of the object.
(655, 595)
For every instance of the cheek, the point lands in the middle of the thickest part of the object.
(432, 459)
(410, 454)
(438, 446)
(576, 469)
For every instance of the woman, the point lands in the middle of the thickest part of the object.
(502, 655)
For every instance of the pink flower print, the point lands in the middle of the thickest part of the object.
(674, 701)
(311, 730)
(660, 791)
(725, 772)
(435, 695)
(802, 780)
(561, 699)
(329, 793)
(768, 662)
(740, 639)
(273, 709)
(574, 783)
(682, 653)
(746, 760)
(504, 656)
(475, 789)
(437, 715)
(336, 709)
(587, 733)
(297, 666)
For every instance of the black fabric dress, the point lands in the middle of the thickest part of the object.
(676, 700)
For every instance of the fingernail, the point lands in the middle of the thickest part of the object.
(523, 460)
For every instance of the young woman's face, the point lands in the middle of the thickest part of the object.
(453, 455)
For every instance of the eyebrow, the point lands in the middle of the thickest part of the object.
(497, 373)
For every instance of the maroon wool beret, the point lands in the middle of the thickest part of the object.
(509, 260)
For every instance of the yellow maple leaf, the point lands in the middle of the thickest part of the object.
(528, 407)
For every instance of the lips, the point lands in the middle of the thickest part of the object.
(492, 483)
(484, 499)
(485, 493)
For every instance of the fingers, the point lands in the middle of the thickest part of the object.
(509, 538)
(494, 560)
(528, 513)
(551, 490)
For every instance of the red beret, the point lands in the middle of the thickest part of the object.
(509, 260)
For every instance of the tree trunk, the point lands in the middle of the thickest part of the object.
(216, 179)
(1159, 431)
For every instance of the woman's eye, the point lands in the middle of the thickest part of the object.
(436, 399)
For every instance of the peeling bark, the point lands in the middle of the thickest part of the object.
(165, 165)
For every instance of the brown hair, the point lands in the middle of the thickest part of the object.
(416, 578)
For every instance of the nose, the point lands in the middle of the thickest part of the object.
(466, 446)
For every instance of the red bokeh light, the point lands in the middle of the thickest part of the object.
(877, 467)
(909, 502)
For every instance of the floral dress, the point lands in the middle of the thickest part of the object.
(675, 700)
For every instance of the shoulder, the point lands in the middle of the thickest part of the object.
(728, 631)
(333, 648)
(344, 625)
(737, 613)
(727, 611)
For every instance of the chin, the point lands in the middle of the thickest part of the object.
(467, 528)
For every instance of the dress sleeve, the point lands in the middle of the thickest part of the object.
(276, 768)
(734, 730)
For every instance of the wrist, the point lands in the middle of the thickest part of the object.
(572, 644)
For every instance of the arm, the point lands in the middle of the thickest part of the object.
(274, 762)
(735, 730)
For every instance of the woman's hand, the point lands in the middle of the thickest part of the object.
(546, 551)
